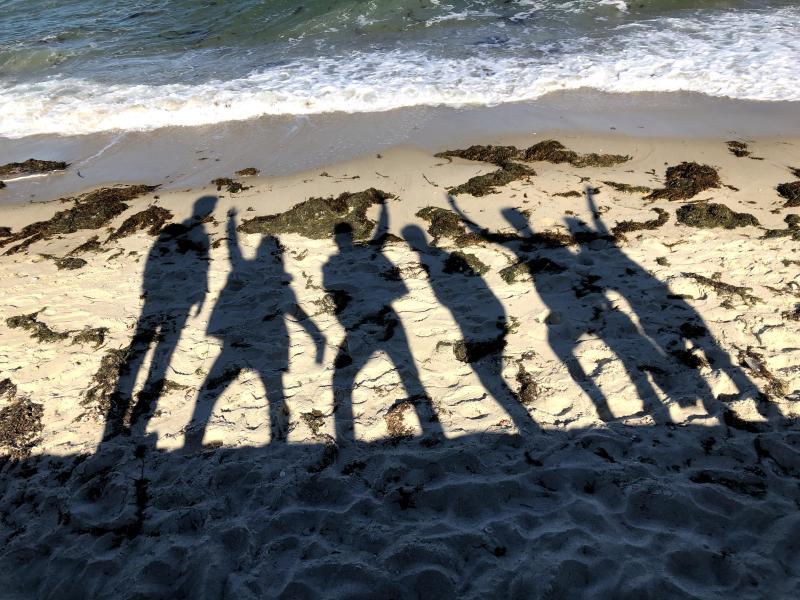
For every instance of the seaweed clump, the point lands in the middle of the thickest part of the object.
(530, 267)
(32, 166)
(91, 211)
(234, 187)
(738, 149)
(444, 223)
(248, 172)
(465, 264)
(790, 191)
(101, 397)
(2, 185)
(152, 219)
(708, 215)
(38, 330)
(70, 263)
(316, 218)
(474, 350)
(91, 335)
(497, 155)
(20, 423)
(686, 180)
(725, 289)
(792, 230)
(482, 185)
(627, 188)
(623, 227)
(555, 152)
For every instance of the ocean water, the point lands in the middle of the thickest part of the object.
(83, 66)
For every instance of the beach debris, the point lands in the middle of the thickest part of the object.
(497, 155)
(474, 350)
(726, 290)
(314, 420)
(99, 397)
(152, 219)
(38, 329)
(528, 388)
(90, 211)
(2, 185)
(795, 171)
(523, 269)
(5, 231)
(395, 424)
(444, 223)
(790, 191)
(757, 364)
(792, 230)
(91, 245)
(482, 185)
(623, 227)
(69, 263)
(465, 264)
(32, 166)
(233, 187)
(686, 180)
(708, 215)
(627, 188)
(20, 422)
(316, 218)
(569, 194)
(555, 152)
(248, 172)
(91, 335)
(738, 149)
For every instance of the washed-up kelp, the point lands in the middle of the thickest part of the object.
(316, 218)
(152, 219)
(708, 215)
(623, 227)
(91, 211)
(790, 191)
(32, 166)
(20, 422)
(686, 180)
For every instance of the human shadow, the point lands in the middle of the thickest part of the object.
(673, 326)
(480, 316)
(580, 309)
(363, 283)
(250, 320)
(175, 282)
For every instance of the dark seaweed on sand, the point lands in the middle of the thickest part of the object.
(481, 185)
(738, 149)
(20, 422)
(555, 152)
(514, 272)
(38, 330)
(32, 166)
(316, 218)
(234, 187)
(465, 264)
(100, 398)
(70, 263)
(790, 191)
(623, 227)
(708, 215)
(627, 188)
(248, 172)
(152, 219)
(725, 289)
(687, 180)
(2, 185)
(91, 211)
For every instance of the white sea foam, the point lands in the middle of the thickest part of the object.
(750, 58)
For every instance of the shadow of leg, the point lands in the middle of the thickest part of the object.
(489, 371)
(278, 411)
(219, 378)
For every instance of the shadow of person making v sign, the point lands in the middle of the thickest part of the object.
(364, 283)
(250, 320)
(480, 316)
(175, 281)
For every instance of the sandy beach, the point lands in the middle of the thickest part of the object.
(558, 365)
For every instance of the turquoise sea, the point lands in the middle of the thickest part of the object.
(84, 66)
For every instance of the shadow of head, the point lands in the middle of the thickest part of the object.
(204, 206)
(415, 237)
(343, 235)
(270, 246)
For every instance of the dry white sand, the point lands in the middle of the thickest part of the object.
(691, 491)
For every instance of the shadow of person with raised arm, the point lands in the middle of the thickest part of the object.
(578, 309)
(364, 283)
(175, 282)
(480, 316)
(673, 326)
(250, 320)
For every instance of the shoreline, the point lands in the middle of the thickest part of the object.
(177, 158)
